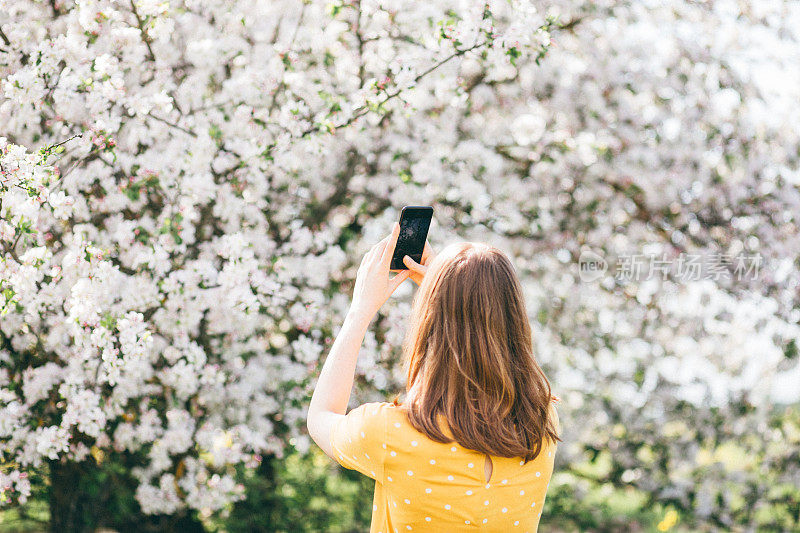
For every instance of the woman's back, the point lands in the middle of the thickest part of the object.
(424, 485)
(471, 373)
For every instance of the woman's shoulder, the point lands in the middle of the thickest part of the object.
(396, 414)
(381, 406)
(389, 417)
(379, 410)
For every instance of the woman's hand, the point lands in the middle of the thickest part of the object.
(417, 270)
(373, 282)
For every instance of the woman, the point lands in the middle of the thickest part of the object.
(473, 444)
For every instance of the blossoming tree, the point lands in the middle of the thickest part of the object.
(176, 215)
(187, 189)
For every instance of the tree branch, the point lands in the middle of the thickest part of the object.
(364, 110)
(143, 32)
(4, 37)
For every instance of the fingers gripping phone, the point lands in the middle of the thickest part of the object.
(415, 220)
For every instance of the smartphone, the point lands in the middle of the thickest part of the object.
(415, 220)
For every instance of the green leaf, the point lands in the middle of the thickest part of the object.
(791, 350)
(25, 226)
(108, 321)
(215, 133)
(132, 192)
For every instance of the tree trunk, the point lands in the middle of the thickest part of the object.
(261, 511)
(85, 497)
(71, 510)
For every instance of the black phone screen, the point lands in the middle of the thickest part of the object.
(414, 224)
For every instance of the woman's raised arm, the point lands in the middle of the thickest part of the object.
(373, 287)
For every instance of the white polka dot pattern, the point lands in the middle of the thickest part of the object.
(423, 482)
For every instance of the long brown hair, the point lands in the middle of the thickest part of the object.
(468, 356)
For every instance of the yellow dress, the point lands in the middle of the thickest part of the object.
(424, 485)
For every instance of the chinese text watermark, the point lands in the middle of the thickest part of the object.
(685, 267)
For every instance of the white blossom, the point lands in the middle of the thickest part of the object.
(184, 205)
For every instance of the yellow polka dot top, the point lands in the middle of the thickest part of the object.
(424, 485)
